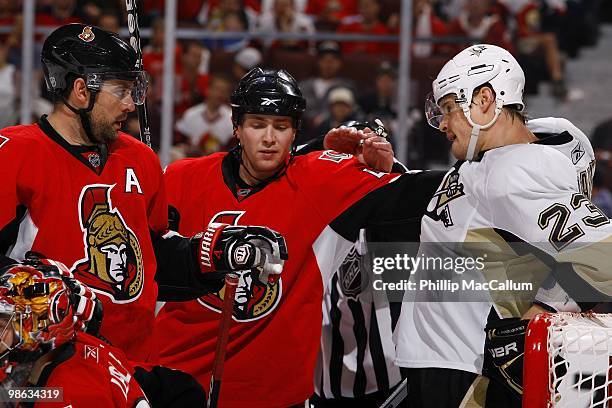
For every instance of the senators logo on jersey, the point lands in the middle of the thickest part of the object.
(254, 299)
(113, 264)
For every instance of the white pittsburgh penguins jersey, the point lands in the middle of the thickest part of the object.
(530, 191)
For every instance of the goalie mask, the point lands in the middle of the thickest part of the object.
(35, 308)
(478, 65)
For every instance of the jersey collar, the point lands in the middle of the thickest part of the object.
(95, 160)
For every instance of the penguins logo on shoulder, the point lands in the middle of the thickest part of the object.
(449, 190)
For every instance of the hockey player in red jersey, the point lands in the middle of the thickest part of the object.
(78, 190)
(42, 344)
(318, 201)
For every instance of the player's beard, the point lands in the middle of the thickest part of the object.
(101, 130)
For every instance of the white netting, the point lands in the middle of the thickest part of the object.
(579, 360)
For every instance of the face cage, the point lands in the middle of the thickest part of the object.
(11, 326)
(140, 80)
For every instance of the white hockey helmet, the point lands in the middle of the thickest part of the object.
(478, 65)
(471, 68)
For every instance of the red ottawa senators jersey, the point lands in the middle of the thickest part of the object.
(94, 210)
(92, 373)
(318, 205)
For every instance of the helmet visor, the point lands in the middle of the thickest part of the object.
(122, 84)
(435, 114)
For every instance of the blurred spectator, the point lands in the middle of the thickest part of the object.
(367, 22)
(60, 12)
(601, 139)
(285, 19)
(341, 108)
(215, 18)
(245, 60)
(478, 21)
(8, 89)
(7, 15)
(191, 79)
(328, 14)
(153, 59)
(602, 197)
(187, 13)
(207, 127)
(315, 89)
(381, 102)
(532, 40)
(109, 21)
(268, 5)
(14, 43)
(425, 24)
(231, 21)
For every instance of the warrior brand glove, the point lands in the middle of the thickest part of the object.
(224, 248)
(504, 350)
(87, 307)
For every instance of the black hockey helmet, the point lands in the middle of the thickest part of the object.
(93, 54)
(268, 92)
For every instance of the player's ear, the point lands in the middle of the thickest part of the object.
(80, 93)
(485, 99)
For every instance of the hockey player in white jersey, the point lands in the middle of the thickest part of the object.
(508, 186)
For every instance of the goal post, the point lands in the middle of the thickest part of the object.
(568, 361)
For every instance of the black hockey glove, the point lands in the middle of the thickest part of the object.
(224, 248)
(504, 351)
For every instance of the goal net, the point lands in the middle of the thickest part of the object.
(568, 361)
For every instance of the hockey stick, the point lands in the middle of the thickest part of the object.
(396, 398)
(132, 21)
(231, 282)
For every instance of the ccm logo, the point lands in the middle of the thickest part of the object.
(504, 351)
(241, 255)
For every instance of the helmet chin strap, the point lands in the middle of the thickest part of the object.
(83, 115)
(476, 128)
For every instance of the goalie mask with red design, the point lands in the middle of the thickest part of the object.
(35, 308)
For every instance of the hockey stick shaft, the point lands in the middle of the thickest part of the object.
(231, 282)
(132, 21)
(398, 396)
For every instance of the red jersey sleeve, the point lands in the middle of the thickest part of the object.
(18, 180)
(334, 181)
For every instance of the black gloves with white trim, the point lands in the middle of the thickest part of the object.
(225, 248)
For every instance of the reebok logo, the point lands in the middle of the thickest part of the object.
(268, 101)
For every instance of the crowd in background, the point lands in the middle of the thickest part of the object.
(542, 34)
